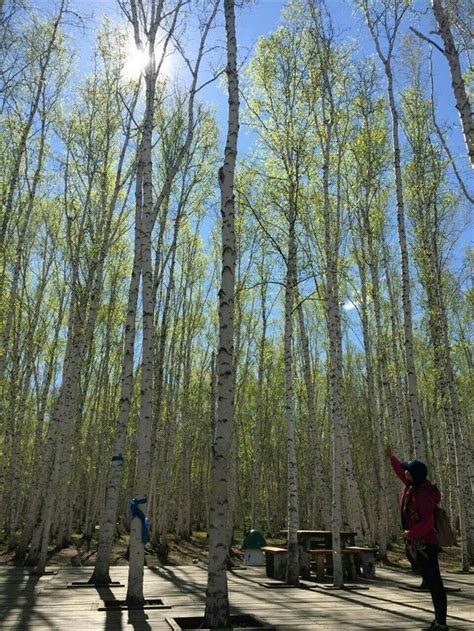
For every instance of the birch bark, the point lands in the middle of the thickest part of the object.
(396, 14)
(395, 341)
(101, 576)
(257, 464)
(320, 499)
(217, 599)
(144, 228)
(463, 104)
(44, 65)
(293, 565)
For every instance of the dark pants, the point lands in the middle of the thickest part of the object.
(428, 564)
(413, 562)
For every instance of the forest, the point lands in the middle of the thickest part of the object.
(220, 318)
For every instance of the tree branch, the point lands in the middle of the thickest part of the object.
(427, 39)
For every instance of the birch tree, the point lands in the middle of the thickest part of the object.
(430, 203)
(384, 20)
(92, 235)
(328, 98)
(48, 47)
(450, 51)
(148, 23)
(368, 187)
(217, 600)
(279, 111)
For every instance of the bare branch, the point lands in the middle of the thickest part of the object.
(469, 197)
(427, 39)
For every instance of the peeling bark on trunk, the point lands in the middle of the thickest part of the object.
(459, 89)
(101, 575)
(217, 599)
(259, 421)
(293, 566)
(320, 499)
(386, 59)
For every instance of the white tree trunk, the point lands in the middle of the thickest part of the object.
(257, 463)
(144, 427)
(217, 599)
(375, 419)
(460, 93)
(413, 401)
(293, 566)
(396, 13)
(320, 499)
(101, 575)
(337, 438)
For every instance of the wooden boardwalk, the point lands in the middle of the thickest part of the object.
(29, 602)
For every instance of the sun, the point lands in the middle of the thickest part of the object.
(136, 62)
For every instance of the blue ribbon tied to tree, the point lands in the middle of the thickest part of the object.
(137, 512)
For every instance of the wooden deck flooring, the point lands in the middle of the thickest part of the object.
(29, 602)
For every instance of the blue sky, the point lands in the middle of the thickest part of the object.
(261, 18)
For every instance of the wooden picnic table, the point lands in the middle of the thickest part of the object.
(313, 539)
(317, 540)
(322, 538)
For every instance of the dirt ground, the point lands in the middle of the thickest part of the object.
(194, 551)
(449, 558)
(80, 553)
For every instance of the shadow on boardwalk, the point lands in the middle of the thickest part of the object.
(19, 590)
(32, 603)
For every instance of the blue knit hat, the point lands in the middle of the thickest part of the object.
(417, 469)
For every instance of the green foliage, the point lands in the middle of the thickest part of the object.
(321, 158)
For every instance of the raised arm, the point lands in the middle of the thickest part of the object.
(396, 466)
(395, 462)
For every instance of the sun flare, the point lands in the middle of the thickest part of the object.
(135, 63)
(137, 60)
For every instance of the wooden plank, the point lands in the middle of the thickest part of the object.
(45, 603)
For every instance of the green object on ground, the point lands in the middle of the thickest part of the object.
(254, 540)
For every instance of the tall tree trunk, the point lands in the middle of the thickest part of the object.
(386, 59)
(337, 438)
(320, 500)
(459, 89)
(101, 576)
(419, 441)
(138, 536)
(293, 566)
(257, 462)
(399, 389)
(217, 599)
(42, 453)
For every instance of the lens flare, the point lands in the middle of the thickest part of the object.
(135, 63)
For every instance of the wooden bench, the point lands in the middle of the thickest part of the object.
(322, 559)
(364, 560)
(323, 562)
(355, 560)
(275, 562)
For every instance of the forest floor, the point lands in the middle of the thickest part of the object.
(193, 552)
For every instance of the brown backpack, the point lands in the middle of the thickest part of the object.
(444, 531)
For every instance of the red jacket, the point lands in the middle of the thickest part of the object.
(418, 508)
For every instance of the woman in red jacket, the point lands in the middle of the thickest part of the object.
(418, 501)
